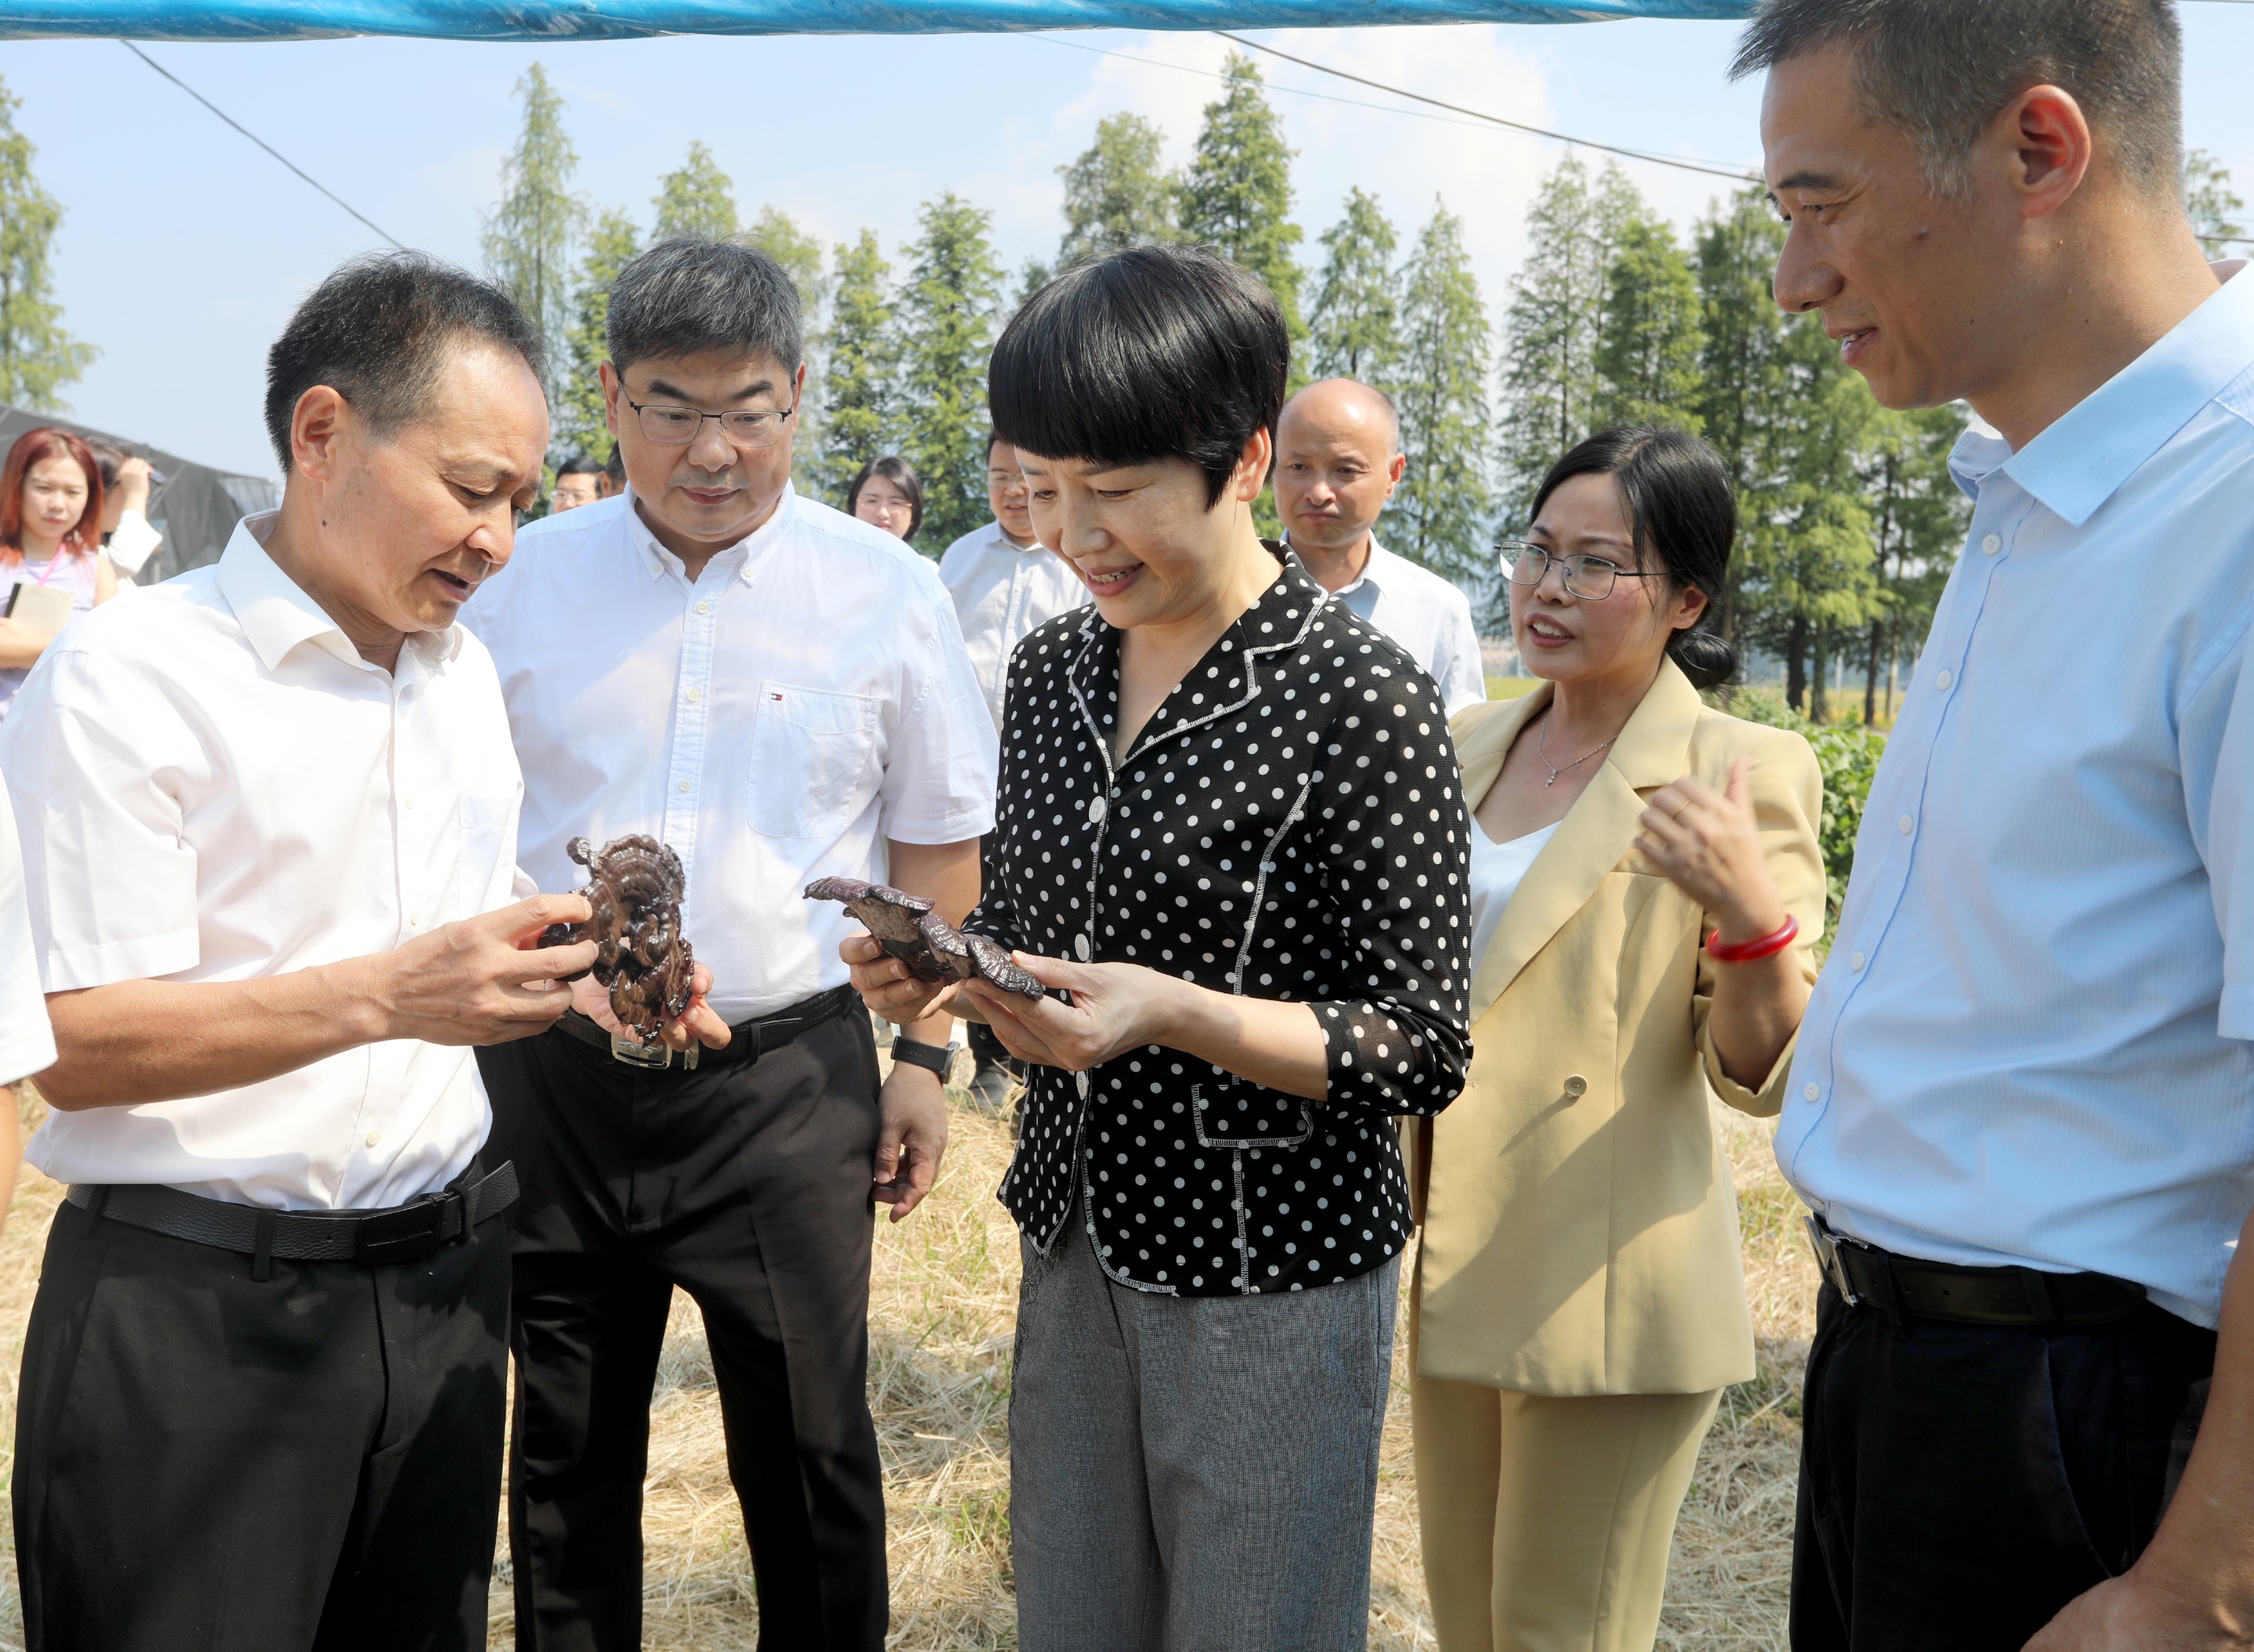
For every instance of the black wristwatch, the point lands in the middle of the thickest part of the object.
(936, 1058)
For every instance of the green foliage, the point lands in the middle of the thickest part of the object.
(1918, 519)
(776, 233)
(1117, 195)
(37, 356)
(1237, 198)
(860, 360)
(528, 237)
(1354, 330)
(696, 200)
(948, 310)
(1440, 516)
(1648, 351)
(1556, 320)
(2212, 205)
(1849, 758)
(578, 399)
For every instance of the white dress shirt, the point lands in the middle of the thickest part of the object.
(804, 699)
(1427, 616)
(1003, 589)
(27, 1043)
(2029, 1044)
(212, 785)
(131, 543)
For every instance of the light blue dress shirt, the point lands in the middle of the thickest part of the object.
(2029, 1044)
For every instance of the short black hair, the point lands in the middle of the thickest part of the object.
(615, 467)
(577, 464)
(901, 475)
(1166, 352)
(378, 331)
(1682, 511)
(1940, 69)
(684, 297)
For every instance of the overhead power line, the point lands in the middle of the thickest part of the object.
(262, 143)
(1741, 174)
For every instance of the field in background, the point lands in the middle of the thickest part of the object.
(941, 1317)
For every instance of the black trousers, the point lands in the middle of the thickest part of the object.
(747, 1185)
(1959, 1484)
(209, 1461)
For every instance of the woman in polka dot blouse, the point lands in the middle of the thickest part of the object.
(1230, 828)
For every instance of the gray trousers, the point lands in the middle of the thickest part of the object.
(1195, 1474)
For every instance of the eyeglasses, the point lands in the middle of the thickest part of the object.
(1588, 577)
(672, 426)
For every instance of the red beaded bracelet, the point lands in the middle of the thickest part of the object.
(1746, 951)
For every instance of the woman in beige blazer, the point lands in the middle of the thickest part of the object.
(1579, 1302)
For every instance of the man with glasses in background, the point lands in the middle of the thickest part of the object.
(778, 693)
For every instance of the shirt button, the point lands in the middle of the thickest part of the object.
(1905, 825)
(1811, 1091)
(1992, 543)
(704, 607)
(1079, 946)
(1097, 809)
(375, 1137)
(1577, 1085)
(1943, 679)
(411, 803)
(1856, 961)
(414, 920)
(681, 786)
(696, 695)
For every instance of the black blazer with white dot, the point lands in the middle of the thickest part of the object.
(1291, 825)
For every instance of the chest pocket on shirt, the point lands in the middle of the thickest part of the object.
(813, 761)
(485, 868)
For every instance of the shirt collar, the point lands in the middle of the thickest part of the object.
(2083, 459)
(1003, 542)
(658, 561)
(1373, 569)
(276, 613)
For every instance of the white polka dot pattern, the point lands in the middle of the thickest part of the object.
(1290, 825)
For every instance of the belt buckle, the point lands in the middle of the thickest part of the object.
(1827, 1258)
(408, 1234)
(656, 1057)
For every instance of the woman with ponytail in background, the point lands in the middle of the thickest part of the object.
(1647, 891)
(50, 535)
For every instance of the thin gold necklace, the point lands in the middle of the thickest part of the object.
(1542, 744)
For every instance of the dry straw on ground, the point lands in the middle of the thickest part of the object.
(941, 1317)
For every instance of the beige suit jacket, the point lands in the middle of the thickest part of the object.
(1580, 1229)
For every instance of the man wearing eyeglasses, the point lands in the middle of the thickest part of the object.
(778, 693)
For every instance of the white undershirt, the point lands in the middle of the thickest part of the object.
(1497, 870)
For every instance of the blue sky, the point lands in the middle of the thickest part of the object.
(185, 247)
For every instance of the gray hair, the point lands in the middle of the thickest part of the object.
(1940, 69)
(685, 297)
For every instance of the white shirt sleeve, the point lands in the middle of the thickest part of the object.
(1459, 669)
(132, 544)
(27, 1042)
(2215, 749)
(939, 770)
(110, 877)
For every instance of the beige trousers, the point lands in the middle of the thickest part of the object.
(1546, 1522)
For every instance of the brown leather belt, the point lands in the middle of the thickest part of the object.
(1865, 1275)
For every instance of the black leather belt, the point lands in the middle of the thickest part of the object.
(369, 1238)
(1867, 1277)
(749, 1039)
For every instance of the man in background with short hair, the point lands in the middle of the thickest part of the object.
(2022, 1106)
(268, 818)
(1338, 460)
(579, 481)
(1004, 583)
(778, 693)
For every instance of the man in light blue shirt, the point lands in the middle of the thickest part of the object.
(2023, 1104)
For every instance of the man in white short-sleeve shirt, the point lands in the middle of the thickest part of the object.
(1338, 461)
(269, 820)
(778, 693)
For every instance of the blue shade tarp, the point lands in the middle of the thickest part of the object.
(619, 19)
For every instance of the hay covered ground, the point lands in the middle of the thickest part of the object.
(941, 1318)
